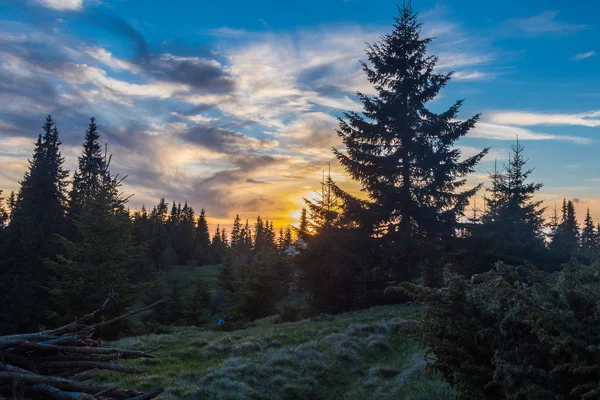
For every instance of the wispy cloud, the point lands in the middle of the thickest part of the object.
(544, 23)
(583, 56)
(506, 132)
(471, 76)
(589, 119)
(62, 5)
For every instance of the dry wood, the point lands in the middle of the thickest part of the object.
(58, 363)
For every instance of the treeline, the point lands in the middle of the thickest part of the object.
(65, 243)
(179, 237)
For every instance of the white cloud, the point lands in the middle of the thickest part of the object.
(545, 22)
(583, 56)
(107, 58)
(62, 5)
(198, 118)
(589, 119)
(471, 76)
(228, 32)
(493, 154)
(506, 132)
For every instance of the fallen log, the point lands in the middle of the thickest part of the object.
(59, 363)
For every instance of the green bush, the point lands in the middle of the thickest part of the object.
(515, 332)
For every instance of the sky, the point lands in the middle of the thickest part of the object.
(232, 105)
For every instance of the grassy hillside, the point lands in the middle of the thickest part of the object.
(360, 355)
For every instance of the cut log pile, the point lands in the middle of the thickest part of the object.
(59, 363)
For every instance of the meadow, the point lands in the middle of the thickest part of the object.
(359, 355)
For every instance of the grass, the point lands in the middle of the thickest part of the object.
(359, 355)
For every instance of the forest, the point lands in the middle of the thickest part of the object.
(508, 298)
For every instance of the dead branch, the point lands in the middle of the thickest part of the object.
(58, 363)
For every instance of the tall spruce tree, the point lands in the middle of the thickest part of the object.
(236, 234)
(159, 236)
(335, 266)
(202, 243)
(565, 243)
(216, 246)
(259, 234)
(88, 176)
(224, 244)
(288, 237)
(38, 217)
(246, 239)
(589, 242)
(102, 257)
(281, 241)
(402, 153)
(4, 215)
(303, 225)
(554, 223)
(11, 203)
(512, 226)
(521, 211)
(185, 247)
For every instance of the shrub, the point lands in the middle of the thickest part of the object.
(515, 332)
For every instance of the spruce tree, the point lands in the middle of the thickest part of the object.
(246, 239)
(270, 236)
(87, 178)
(565, 243)
(288, 238)
(100, 260)
(511, 228)
(554, 224)
(141, 227)
(303, 226)
(281, 240)
(38, 217)
(216, 247)
(236, 234)
(335, 266)
(202, 246)
(402, 153)
(259, 234)
(224, 241)
(4, 215)
(186, 232)
(325, 209)
(159, 236)
(589, 241)
(11, 203)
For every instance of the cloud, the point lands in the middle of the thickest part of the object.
(225, 141)
(227, 32)
(506, 132)
(493, 154)
(471, 76)
(589, 119)
(583, 56)
(544, 23)
(61, 5)
(210, 126)
(115, 63)
(195, 72)
(312, 134)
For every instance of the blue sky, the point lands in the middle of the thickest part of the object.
(232, 105)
